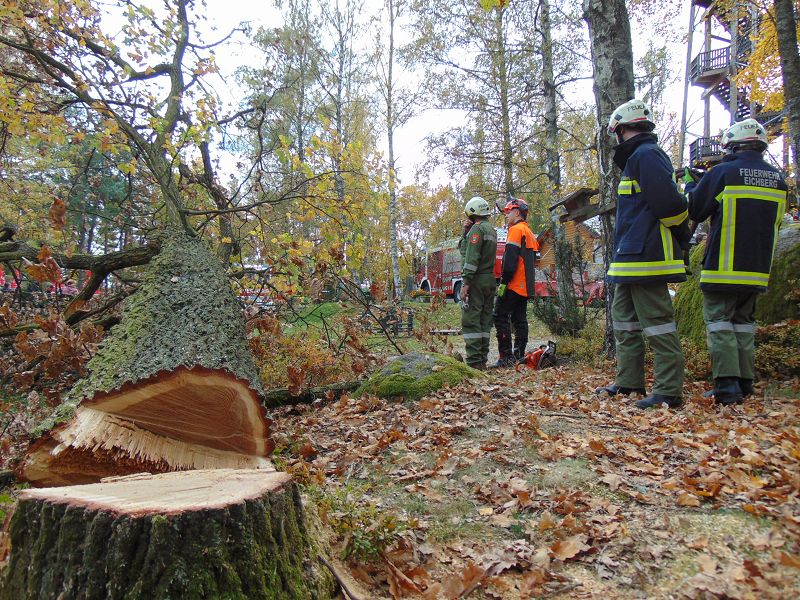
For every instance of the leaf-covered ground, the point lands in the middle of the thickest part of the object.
(525, 484)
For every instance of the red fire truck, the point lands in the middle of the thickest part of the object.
(439, 272)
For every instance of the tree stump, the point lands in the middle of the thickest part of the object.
(222, 533)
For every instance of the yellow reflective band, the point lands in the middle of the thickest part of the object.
(676, 220)
(727, 233)
(734, 277)
(628, 186)
(666, 242)
(758, 193)
(640, 269)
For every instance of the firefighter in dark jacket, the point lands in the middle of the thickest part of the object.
(516, 285)
(745, 197)
(478, 248)
(650, 232)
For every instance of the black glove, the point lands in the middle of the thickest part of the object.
(682, 235)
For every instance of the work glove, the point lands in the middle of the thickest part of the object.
(501, 290)
(687, 177)
(683, 235)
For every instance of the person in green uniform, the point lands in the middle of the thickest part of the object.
(478, 248)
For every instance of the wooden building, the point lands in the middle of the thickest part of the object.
(591, 247)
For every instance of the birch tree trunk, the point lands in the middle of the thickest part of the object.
(502, 81)
(391, 123)
(612, 59)
(566, 295)
(786, 28)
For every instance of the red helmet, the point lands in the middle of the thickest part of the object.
(517, 203)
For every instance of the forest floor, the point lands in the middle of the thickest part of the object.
(525, 484)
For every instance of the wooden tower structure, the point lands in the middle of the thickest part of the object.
(728, 32)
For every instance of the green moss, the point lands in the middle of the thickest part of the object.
(782, 299)
(688, 302)
(415, 375)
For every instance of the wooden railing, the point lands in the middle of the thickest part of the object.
(713, 60)
(705, 148)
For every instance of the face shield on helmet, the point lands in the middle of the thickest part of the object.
(748, 131)
(477, 207)
(633, 111)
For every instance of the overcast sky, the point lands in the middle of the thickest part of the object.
(227, 14)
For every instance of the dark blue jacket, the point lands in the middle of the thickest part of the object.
(651, 216)
(745, 198)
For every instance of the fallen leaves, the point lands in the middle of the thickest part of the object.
(489, 459)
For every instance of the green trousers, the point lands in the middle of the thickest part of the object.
(731, 333)
(476, 319)
(647, 309)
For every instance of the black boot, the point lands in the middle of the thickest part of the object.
(727, 391)
(656, 400)
(504, 362)
(746, 385)
(614, 389)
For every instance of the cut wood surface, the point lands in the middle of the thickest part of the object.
(173, 387)
(167, 493)
(224, 533)
(182, 420)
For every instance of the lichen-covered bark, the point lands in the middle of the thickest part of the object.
(786, 27)
(612, 59)
(257, 549)
(184, 313)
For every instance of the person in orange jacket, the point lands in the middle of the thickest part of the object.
(516, 285)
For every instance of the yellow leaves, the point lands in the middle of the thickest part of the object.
(488, 5)
(58, 214)
(762, 73)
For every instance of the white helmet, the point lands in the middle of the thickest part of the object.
(477, 207)
(748, 130)
(633, 111)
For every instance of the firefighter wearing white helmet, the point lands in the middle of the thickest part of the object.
(745, 197)
(632, 112)
(651, 229)
(749, 132)
(478, 248)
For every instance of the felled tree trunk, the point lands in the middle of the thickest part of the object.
(173, 387)
(236, 534)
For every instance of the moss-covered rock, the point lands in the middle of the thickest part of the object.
(782, 300)
(414, 375)
(688, 302)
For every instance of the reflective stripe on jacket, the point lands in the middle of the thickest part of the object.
(518, 259)
(745, 198)
(648, 205)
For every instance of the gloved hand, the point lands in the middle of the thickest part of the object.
(682, 235)
(688, 177)
(501, 290)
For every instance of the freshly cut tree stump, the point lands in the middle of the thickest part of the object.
(173, 387)
(225, 533)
